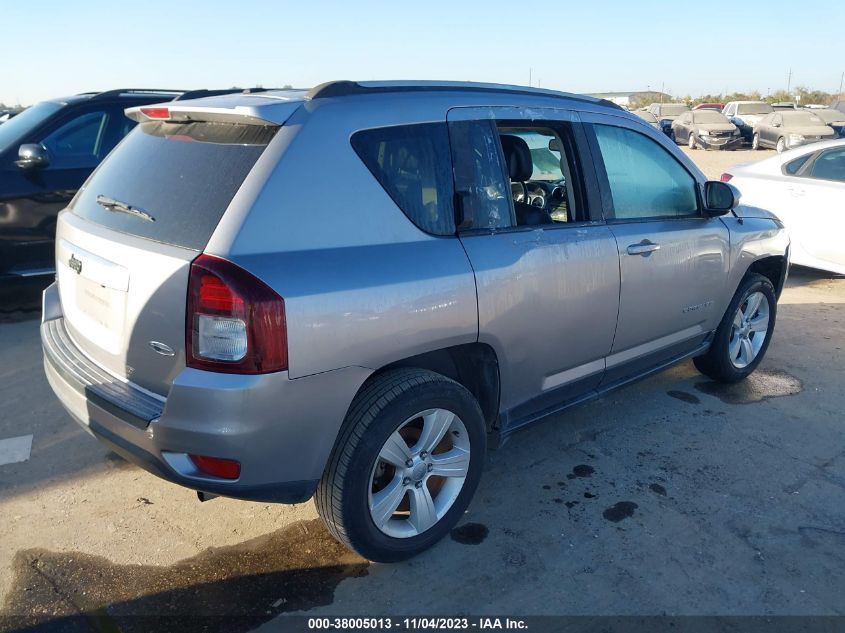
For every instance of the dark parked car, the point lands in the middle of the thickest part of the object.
(707, 129)
(833, 118)
(46, 153)
(665, 113)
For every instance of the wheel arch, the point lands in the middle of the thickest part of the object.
(473, 365)
(774, 268)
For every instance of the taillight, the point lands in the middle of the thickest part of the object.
(235, 322)
(725, 177)
(156, 113)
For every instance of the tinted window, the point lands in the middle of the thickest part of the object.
(182, 174)
(77, 143)
(480, 180)
(830, 166)
(793, 166)
(412, 164)
(645, 180)
(16, 128)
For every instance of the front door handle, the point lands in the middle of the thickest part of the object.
(644, 248)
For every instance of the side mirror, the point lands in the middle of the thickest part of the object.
(32, 156)
(554, 145)
(719, 198)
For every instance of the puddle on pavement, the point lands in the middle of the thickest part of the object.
(469, 533)
(760, 385)
(683, 396)
(620, 511)
(296, 568)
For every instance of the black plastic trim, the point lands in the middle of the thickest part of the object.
(345, 88)
(118, 398)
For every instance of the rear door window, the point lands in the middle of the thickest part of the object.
(182, 175)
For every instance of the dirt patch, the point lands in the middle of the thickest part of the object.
(232, 588)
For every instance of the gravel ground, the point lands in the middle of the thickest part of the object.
(714, 162)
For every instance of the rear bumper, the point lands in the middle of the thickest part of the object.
(280, 430)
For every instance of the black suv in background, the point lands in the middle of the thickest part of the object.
(46, 153)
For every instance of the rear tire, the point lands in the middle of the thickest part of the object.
(736, 351)
(383, 509)
(781, 146)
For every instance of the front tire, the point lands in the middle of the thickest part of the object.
(781, 146)
(755, 142)
(405, 467)
(691, 141)
(743, 336)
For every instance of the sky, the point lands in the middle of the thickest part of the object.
(54, 48)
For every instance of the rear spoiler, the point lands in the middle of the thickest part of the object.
(269, 115)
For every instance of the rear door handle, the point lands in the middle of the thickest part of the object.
(644, 248)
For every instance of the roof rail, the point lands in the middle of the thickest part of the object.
(349, 88)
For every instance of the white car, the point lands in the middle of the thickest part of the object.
(805, 189)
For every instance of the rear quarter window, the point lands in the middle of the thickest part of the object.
(413, 165)
(183, 175)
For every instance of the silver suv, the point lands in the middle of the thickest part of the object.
(349, 292)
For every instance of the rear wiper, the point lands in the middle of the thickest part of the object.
(116, 205)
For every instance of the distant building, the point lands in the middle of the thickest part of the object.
(627, 98)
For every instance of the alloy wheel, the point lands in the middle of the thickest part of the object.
(419, 473)
(748, 330)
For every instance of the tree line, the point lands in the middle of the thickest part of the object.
(800, 94)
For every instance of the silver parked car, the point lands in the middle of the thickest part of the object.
(745, 115)
(705, 128)
(785, 129)
(345, 292)
(648, 117)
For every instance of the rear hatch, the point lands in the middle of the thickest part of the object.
(125, 245)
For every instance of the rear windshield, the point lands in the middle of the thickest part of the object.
(801, 118)
(753, 108)
(673, 110)
(177, 178)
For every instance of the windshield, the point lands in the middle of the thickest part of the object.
(172, 182)
(546, 163)
(801, 118)
(673, 110)
(754, 108)
(709, 116)
(16, 128)
(830, 115)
